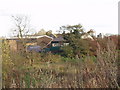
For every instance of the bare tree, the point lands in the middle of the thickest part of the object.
(21, 30)
(22, 26)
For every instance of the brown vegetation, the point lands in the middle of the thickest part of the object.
(39, 70)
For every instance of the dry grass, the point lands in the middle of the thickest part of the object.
(33, 70)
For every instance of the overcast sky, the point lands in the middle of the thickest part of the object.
(99, 15)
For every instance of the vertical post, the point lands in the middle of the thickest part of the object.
(0, 63)
(118, 61)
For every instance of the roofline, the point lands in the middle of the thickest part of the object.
(30, 37)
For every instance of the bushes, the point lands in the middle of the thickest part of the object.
(49, 57)
(68, 51)
(107, 63)
(77, 49)
(47, 70)
(7, 64)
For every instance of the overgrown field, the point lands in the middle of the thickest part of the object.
(47, 70)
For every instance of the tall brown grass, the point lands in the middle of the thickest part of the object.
(34, 70)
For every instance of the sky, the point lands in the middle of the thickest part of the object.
(99, 15)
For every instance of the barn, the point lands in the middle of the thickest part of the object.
(36, 43)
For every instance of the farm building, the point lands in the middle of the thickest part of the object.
(36, 43)
(31, 43)
(39, 43)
